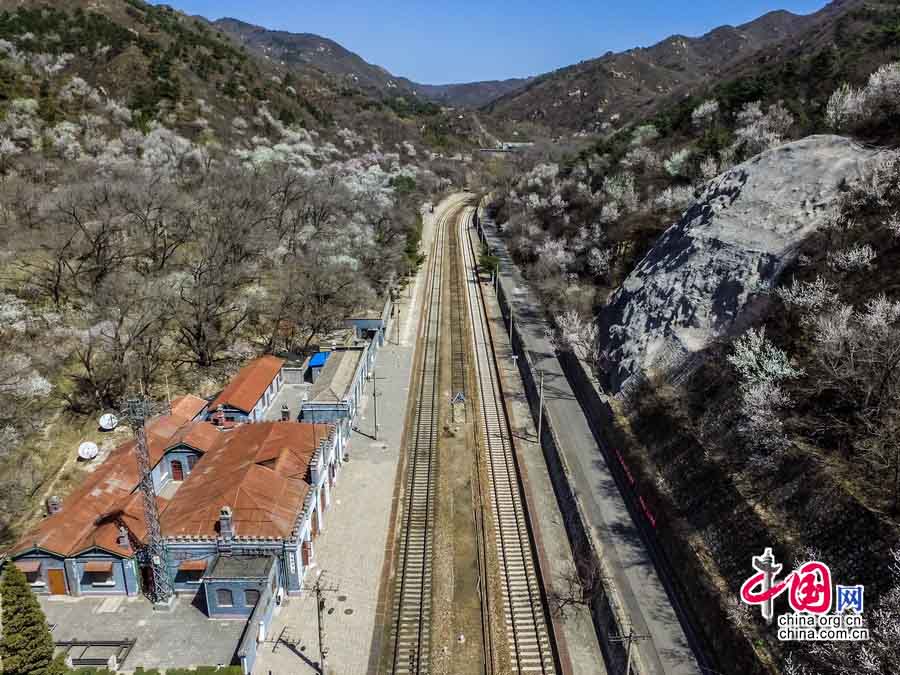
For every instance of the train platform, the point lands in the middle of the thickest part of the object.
(350, 551)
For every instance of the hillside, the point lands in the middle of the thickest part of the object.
(603, 93)
(306, 51)
(172, 205)
(727, 267)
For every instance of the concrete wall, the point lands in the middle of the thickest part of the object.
(189, 551)
(257, 628)
(238, 588)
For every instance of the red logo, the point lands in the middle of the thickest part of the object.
(809, 586)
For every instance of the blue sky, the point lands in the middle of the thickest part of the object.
(437, 42)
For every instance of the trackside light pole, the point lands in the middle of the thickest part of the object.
(375, 401)
(629, 641)
(320, 590)
(540, 407)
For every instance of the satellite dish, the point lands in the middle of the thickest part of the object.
(108, 422)
(88, 450)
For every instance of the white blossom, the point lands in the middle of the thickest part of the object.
(709, 168)
(849, 107)
(620, 188)
(705, 113)
(762, 368)
(808, 296)
(76, 88)
(677, 163)
(641, 157)
(118, 112)
(760, 132)
(599, 261)
(677, 197)
(644, 134)
(858, 257)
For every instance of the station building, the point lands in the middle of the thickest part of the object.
(239, 518)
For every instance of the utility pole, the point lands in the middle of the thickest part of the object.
(512, 345)
(320, 590)
(540, 407)
(137, 410)
(375, 401)
(629, 641)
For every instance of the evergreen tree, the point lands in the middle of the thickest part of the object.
(26, 647)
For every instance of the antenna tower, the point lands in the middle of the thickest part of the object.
(137, 410)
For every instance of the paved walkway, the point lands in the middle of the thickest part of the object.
(579, 650)
(636, 582)
(350, 551)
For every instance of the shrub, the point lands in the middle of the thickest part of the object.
(874, 104)
(705, 114)
(26, 646)
(678, 163)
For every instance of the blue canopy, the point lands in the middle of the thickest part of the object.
(318, 359)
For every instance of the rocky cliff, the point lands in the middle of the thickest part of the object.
(711, 273)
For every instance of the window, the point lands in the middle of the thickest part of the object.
(224, 598)
(98, 573)
(251, 597)
(34, 578)
(99, 579)
(188, 576)
(192, 460)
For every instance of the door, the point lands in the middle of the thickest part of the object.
(306, 549)
(177, 471)
(57, 581)
(315, 523)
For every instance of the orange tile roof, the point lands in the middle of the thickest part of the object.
(249, 385)
(259, 470)
(188, 406)
(72, 529)
(91, 513)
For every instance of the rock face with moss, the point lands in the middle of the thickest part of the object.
(710, 274)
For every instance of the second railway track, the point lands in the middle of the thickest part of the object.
(527, 628)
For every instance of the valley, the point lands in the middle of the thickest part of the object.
(306, 366)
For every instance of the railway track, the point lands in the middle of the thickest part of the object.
(411, 630)
(527, 627)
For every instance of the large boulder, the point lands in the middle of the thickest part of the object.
(710, 274)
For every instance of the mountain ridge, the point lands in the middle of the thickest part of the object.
(594, 94)
(327, 55)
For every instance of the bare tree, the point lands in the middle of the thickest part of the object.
(579, 586)
(121, 345)
(159, 221)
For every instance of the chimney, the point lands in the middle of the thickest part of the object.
(122, 540)
(54, 505)
(218, 417)
(226, 526)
